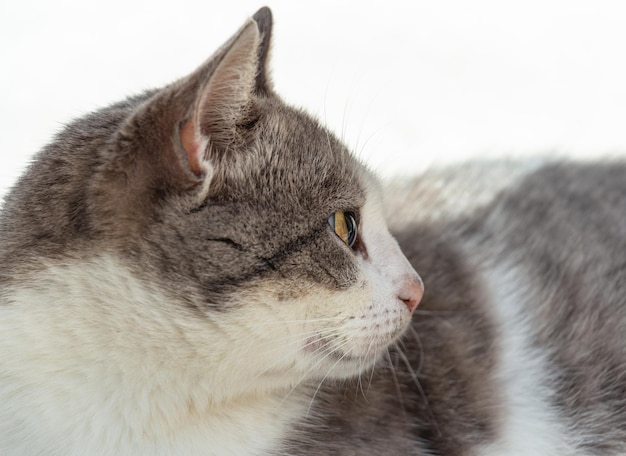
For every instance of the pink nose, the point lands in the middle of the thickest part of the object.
(411, 292)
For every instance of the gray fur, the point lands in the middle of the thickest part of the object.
(564, 225)
(119, 181)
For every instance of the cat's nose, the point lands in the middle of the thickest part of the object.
(411, 292)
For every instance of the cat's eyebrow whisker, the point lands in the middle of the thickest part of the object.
(330, 147)
(367, 111)
(371, 136)
(344, 122)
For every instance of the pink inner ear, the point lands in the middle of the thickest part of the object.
(194, 148)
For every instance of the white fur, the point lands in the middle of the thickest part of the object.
(98, 361)
(95, 362)
(530, 425)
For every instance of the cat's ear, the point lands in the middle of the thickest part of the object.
(224, 103)
(172, 140)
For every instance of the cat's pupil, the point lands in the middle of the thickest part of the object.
(345, 227)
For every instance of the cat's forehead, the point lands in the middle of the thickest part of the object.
(293, 156)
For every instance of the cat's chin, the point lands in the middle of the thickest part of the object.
(345, 357)
(346, 366)
(340, 364)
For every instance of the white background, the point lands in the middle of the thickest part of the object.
(407, 84)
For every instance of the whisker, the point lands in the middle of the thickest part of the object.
(367, 111)
(369, 347)
(255, 339)
(420, 347)
(373, 369)
(299, 340)
(371, 136)
(322, 381)
(337, 318)
(306, 374)
(344, 119)
(419, 387)
(437, 312)
(397, 383)
(321, 360)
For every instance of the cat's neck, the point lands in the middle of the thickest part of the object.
(117, 347)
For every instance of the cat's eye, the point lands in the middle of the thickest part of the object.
(344, 225)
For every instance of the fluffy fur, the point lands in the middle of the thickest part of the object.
(170, 281)
(170, 285)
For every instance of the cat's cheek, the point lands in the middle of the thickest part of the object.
(347, 331)
(390, 292)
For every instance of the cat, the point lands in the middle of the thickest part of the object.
(203, 270)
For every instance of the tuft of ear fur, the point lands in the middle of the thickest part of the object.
(224, 102)
(165, 147)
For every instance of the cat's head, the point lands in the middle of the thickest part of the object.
(253, 220)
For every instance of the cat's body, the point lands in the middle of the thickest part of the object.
(518, 346)
(170, 284)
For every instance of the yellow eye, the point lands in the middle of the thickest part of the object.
(344, 226)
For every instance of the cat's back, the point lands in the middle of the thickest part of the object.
(48, 213)
(527, 259)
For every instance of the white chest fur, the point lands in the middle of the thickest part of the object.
(95, 362)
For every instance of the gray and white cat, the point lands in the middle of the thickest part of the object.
(203, 270)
